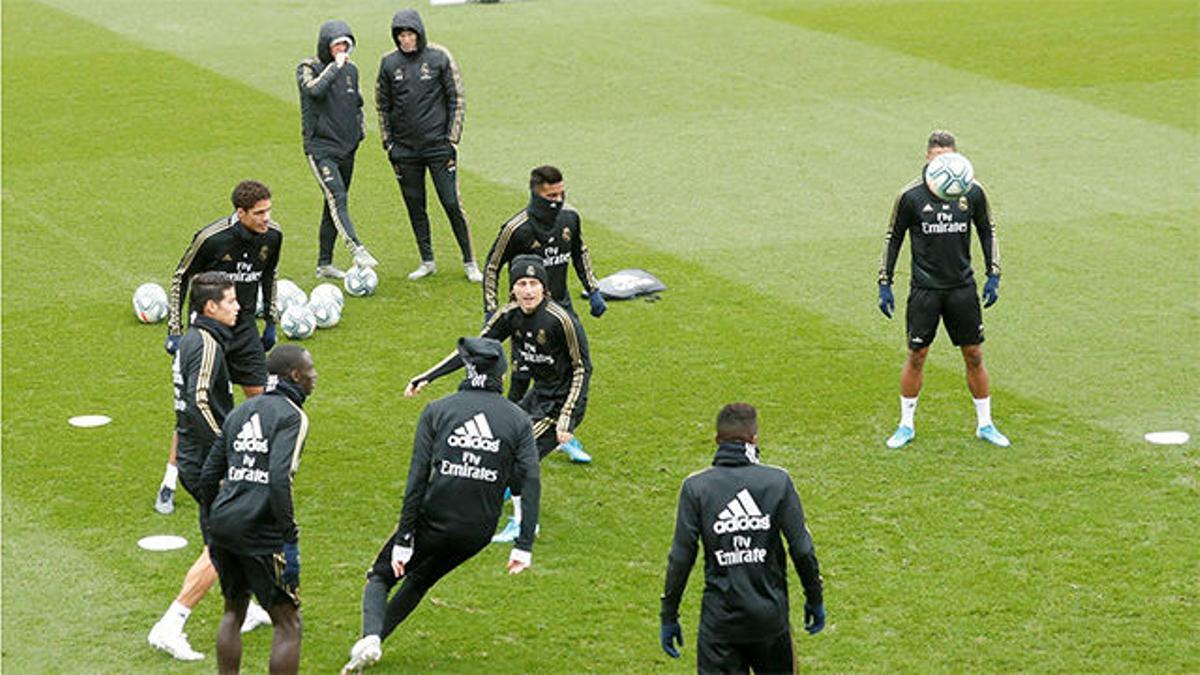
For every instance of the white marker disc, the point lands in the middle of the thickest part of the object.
(162, 542)
(87, 421)
(1167, 437)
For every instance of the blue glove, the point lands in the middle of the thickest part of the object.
(887, 301)
(172, 344)
(268, 336)
(291, 564)
(991, 290)
(598, 304)
(814, 618)
(670, 635)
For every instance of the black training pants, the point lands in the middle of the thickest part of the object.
(333, 174)
(410, 174)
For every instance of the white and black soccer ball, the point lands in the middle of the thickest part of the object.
(326, 312)
(361, 281)
(949, 176)
(298, 322)
(287, 293)
(150, 303)
(327, 291)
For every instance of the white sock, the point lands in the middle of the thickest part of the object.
(170, 476)
(983, 410)
(908, 408)
(517, 507)
(175, 618)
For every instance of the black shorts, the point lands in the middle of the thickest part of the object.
(769, 656)
(958, 308)
(257, 575)
(543, 412)
(245, 356)
(189, 478)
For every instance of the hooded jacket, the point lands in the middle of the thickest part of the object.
(466, 447)
(551, 231)
(203, 393)
(419, 96)
(742, 511)
(247, 479)
(330, 101)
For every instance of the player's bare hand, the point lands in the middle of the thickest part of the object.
(414, 388)
(516, 566)
(397, 568)
(564, 436)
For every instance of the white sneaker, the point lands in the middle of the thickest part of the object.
(329, 272)
(473, 273)
(175, 644)
(423, 270)
(363, 257)
(255, 616)
(365, 652)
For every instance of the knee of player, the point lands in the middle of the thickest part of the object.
(916, 358)
(973, 356)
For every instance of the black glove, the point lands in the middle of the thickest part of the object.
(268, 336)
(291, 564)
(598, 304)
(172, 344)
(991, 291)
(887, 301)
(670, 635)
(814, 618)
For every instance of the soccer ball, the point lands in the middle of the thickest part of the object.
(327, 291)
(361, 281)
(326, 312)
(949, 176)
(287, 294)
(150, 303)
(298, 322)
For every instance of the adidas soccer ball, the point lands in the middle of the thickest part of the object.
(326, 312)
(298, 322)
(361, 281)
(327, 291)
(949, 175)
(150, 303)
(287, 294)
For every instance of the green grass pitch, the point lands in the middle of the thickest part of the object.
(748, 153)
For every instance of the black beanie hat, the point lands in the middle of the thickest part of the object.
(527, 266)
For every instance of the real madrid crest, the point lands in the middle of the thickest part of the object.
(398, 74)
(566, 235)
(963, 205)
(325, 171)
(541, 338)
(425, 72)
(263, 253)
(529, 271)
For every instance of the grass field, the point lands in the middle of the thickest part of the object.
(747, 153)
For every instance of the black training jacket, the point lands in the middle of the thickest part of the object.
(249, 258)
(203, 392)
(941, 237)
(549, 230)
(331, 116)
(253, 464)
(549, 342)
(742, 511)
(466, 447)
(419, 96)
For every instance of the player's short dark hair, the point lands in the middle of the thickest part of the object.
(940, 138)
(737, 422)
(209, 286)
(285, 358)
(248, 193)
(544, 175)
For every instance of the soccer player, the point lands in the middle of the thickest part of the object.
(246, 246)
(942, 287)
(555, 349)
(246, 484)
(742, 511)
(468, 446)
(332, 122)
(419, 96)
(203, 398)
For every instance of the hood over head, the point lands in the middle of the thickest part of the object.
(330, 31)
(410, 19)
(484, 361)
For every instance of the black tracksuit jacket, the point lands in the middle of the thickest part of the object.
(466, 447)
(330, 101)
(941, 237)
(203, 392)
(247, 477)
(742, 511)
(250, 259)
(551, 231)
(419, 96)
